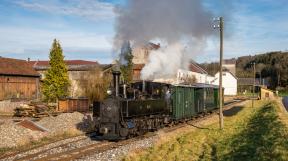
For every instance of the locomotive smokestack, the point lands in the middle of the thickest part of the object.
(143, 85)
(116, 78)
(124, 91)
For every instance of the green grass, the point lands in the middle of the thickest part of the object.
(249, 134)
(283, 93)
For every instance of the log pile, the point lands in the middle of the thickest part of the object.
(35, 110)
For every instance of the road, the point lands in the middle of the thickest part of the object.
(285, 102)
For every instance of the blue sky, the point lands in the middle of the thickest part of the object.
(85, 28)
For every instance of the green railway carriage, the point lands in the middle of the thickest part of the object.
(188, 101)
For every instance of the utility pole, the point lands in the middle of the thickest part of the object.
(221, 28)
(254, 68)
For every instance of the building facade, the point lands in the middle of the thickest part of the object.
(18, 80)
(78, 72)
(141, 53)
(229, 82)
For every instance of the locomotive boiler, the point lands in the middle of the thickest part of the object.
(131, 110)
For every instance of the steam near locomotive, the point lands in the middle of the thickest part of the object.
(134, 109)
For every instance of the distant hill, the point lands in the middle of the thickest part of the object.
(272, 65)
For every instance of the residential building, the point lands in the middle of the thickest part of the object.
(229, 82)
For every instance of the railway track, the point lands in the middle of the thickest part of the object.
(95, 147)
(74, 140)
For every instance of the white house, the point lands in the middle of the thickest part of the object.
(229, 82)
(203, 78)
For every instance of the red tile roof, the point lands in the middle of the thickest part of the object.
(152, 46)
(73, 65)
(9, 66)
(68, 62)
(196, 68)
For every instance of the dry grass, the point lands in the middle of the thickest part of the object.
(250, 134)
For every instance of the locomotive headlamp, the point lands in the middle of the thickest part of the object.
(109, 92)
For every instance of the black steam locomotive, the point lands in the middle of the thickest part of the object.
(147, 106)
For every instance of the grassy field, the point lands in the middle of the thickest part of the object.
(259, 133)
(283, 93)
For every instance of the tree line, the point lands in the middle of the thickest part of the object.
(271, 66)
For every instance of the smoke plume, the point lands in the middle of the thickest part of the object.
(183, 25)
(157, 64)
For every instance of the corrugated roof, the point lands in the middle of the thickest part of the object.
(9, 66)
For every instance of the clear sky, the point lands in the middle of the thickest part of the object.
(85, 28)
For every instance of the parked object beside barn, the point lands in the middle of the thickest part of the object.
(73, 104)
(266, 94)
(18, 80)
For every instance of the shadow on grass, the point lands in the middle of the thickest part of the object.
(262, 139)
(285, 102)
(198, 127)
(232, 111)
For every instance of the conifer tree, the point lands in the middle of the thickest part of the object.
(56, 81)
(126, 64)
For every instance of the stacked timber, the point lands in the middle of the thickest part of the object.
(24, 110)
(35, 110)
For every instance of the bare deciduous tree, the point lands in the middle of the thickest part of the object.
(95, 84)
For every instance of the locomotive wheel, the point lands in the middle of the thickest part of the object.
(123, 132)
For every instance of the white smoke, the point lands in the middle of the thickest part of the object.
(164, 62)
(179, 23)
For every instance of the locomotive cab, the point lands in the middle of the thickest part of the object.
(133, 111)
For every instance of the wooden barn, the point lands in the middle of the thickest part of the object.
(18, 80)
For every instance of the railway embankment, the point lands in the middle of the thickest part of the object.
(258, 133)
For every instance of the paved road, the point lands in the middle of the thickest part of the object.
(285, 102)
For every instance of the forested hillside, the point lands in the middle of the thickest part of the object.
(272, 66)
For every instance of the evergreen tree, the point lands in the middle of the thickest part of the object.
(56, 81)
(126, 65)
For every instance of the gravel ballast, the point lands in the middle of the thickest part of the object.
(75, 122)
(14, 135)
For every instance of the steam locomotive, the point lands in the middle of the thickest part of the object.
(147, 106)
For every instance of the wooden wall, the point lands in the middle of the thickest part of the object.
(136, 74)
(19, 87)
